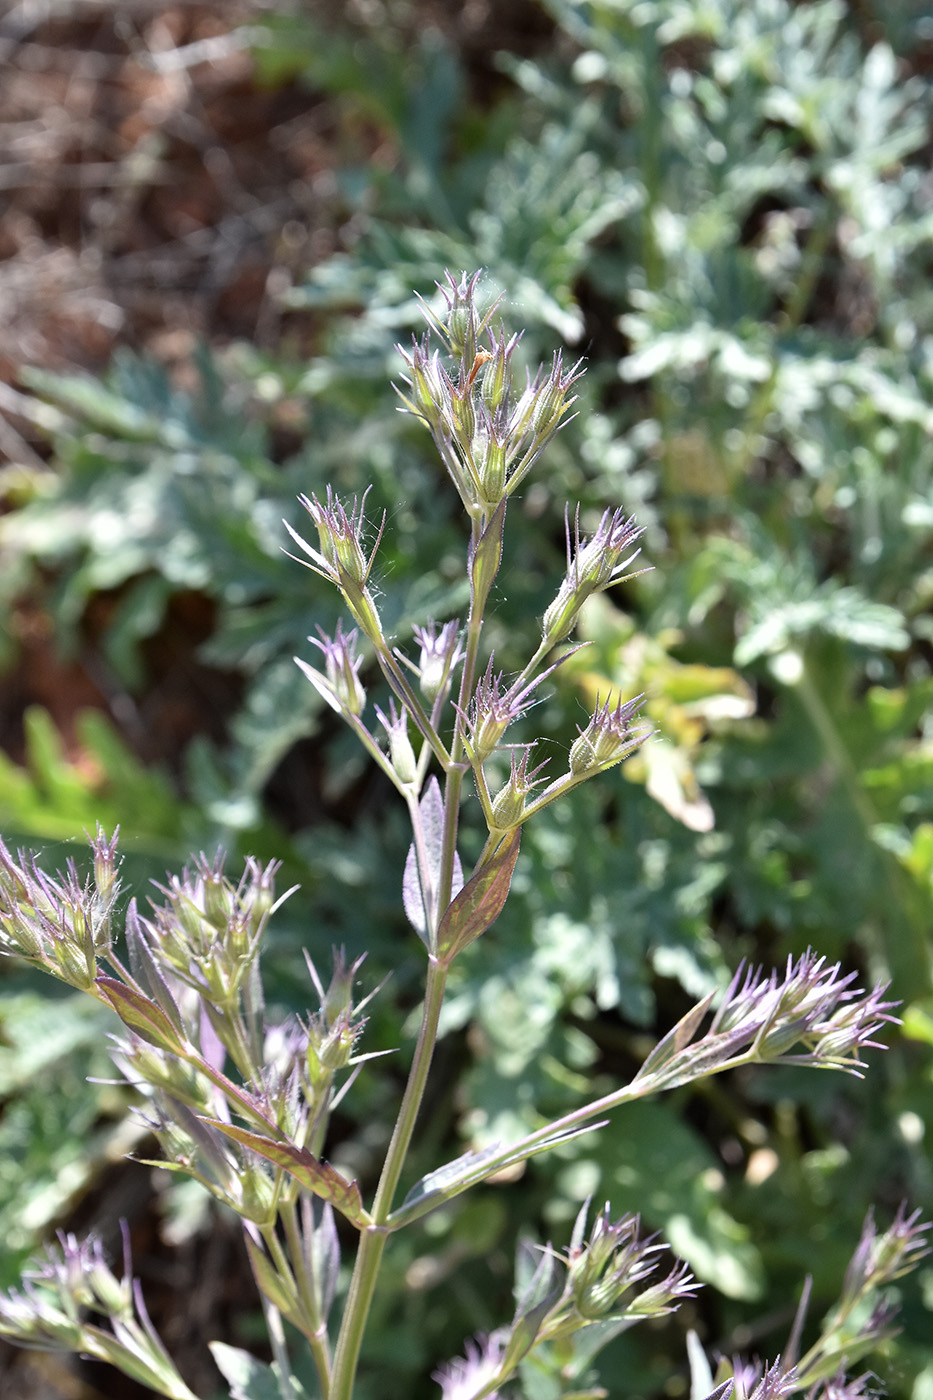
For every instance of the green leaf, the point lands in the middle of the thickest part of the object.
(473, 1167)
(250, 1379)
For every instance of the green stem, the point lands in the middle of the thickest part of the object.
(276, 1331)
(456, 770)
(399, 683)
(373, 1238)
(315, 1329)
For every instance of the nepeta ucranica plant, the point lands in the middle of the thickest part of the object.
(242, 1104)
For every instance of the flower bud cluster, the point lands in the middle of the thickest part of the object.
(605, 1285)
(605, 1273)
(60, 924)
(609, 737)
(209, 930)
(72, 1301)
(487, 441)
(489, 437)
(813, 1016)
(234, 1176)
(861, 1320)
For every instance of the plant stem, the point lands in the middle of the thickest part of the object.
(373, 1238)
(315, 1330)
(279, 1349)
(399, 683)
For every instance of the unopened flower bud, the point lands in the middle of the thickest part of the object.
(495, 383)
(431, 387)
(114, 1295)
(592, 566)
(258, 1197)
(72, 965)
(401, 753)
(336, 1051)
(439, 654)
(551, 402)
(607, 739)
(105, 866)
(342, 666)
(491, 454)
(462, 320)
(463, 416)
(509, 804)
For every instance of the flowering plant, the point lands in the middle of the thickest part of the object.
(243, 1105)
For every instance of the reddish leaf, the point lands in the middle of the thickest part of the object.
(318, 1177)
(480, 902)
(143, 1016)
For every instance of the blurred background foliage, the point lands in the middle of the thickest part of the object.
(725, 206)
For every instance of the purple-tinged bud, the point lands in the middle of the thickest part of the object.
(401, 753)
(491, 713)
(879, 1259)
(61, 924)
(462, 322)
(440, 653)
(592, 566)
(843, 1387)
(105, 866)
(430, 384)
(339, 533)
(551, 402)
(496, 376)
(778, 1382)
(341, 558)
(342, 667)
(113, 1294)
(335, 1050)
(491, 460)
(48, 1314)
(608, 738)
(508, 806)
(333, 1031)
(606, 1273)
